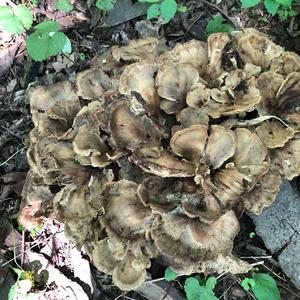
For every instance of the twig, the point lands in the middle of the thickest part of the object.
(13, 155)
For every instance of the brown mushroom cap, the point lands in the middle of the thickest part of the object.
(125, 216)
(129, 129)
(256, 48)
(220, 146)
(186, 240)
(163, 164)
(274, 134)
(286, 63)
(53, 107)
(137, 50)
(198, 95)
(287, 159)
(264, 193)
(139, 77)
(156, 192)
(173, 84)
(288, 99)
(190, 142)
(192, 116)
(92, 150)
(92, 84)
(193, 52)
(216, 46)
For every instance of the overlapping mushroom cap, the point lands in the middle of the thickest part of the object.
(152, 150)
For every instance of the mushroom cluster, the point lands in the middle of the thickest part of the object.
(154, 153)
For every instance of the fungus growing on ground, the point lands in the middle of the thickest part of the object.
(151, 152)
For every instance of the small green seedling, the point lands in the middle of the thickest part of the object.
(64, 5)
(252, 235)
(106, 4)
(281, 7)
(216, 24)
(262, 285)
(47, 41)
(163, 8)
(82, 56)
(170, 275)
(196, 290)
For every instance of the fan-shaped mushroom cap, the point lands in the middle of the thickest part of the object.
(124, 261)
(163, 164)
(287, 159)
(216, 45)
(288, 98)
(204, 206)
(264, 193)
(173, 84)
(233, 101)
(137, 50)
(103, 256)
(53, 160)
(220, 146)
(198, 95)
(156, 192)
(286, 63)
(53, 107)
(192, 116)
(193, 52)
(222, 263)
(190, 142)
(250, 150)
(256, 48)
(186, 240)
(92, 84)
(274, 134)
(92, 150)
(125, 216)
(126, 277)
(230, 185)
(129, 129)
(106, 62)
(139, 77)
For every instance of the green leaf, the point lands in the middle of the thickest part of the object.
(64, 5)
(153, 11)
(170, 275)
(168, 9)
(106, 4)
(18, 271)
(249, 3)
(211, 282)
(247, 283)
(81, 56)
(271, 6)
(13, 291)
(47, 27)
(67, 49)
(43, 45)
(195, 291)
(265, 287)
(293, 13)
(285, 2)
(15, 19)
(182, 8)
(149, 1)
(216, 25)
